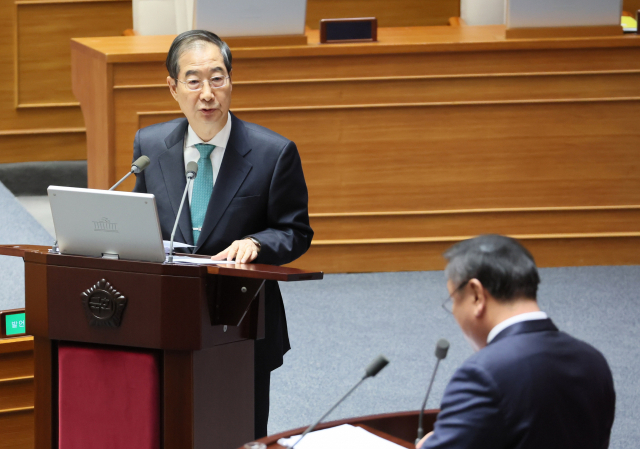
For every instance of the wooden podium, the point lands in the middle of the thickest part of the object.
(198, 322)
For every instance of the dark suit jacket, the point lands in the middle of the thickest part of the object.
(531, 387)
(260, 191)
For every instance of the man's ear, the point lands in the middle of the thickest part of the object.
(479, 298)
(172, 87)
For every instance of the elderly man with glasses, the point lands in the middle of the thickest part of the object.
(249, 201)
(529, 386)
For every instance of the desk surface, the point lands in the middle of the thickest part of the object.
(390, 40)
(248, 270)
(399, 427)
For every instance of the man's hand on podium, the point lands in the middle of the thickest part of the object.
(243, 251)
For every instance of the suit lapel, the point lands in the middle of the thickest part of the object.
(233, 171)
(172, 166)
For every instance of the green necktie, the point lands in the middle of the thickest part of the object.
(202, 189)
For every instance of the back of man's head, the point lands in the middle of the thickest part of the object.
(503, 266)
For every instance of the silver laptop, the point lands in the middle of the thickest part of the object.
(102, 223)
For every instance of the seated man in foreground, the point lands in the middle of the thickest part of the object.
(529, 385)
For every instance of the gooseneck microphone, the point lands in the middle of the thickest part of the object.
(138, 166)
(374, 368)
(441, 352)
(192, 172)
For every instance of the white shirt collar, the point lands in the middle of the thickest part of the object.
(220, 140)
(529, 316)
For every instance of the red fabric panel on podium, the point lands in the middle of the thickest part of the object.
(108, 399)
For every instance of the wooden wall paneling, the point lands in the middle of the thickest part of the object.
(548, 250)
(39, 117)
(457, 157)
(43, 51)
(127, 103)
(17, 429)
(362, 65)
(92, 81)
(631, 6)
(140, 73)
(54, 145)
(494, 136)
(585, 156)
(16, 393)
(432, 224)
(416, 89)
(16, 364)
(399, 13)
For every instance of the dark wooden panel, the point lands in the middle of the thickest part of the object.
(177, 400)
(223, 417)
(142, 319)
(45, 373)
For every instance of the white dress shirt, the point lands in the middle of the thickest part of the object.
(530, 316)
(191, 153)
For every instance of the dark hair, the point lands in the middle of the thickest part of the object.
(186, 40)
(503, 266)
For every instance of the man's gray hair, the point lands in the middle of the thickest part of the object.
(503, 266)
(186, 40)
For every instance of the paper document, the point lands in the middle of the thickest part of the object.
(345, 436)
(200, 260)
(167, 244)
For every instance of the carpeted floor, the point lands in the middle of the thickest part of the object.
(338, 325)
(16, 226)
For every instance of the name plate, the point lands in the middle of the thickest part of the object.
(348, 30)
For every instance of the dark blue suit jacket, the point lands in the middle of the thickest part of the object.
(531, 387)
(260, 191)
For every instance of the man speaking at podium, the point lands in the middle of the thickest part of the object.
(529, 386)
(249, 201)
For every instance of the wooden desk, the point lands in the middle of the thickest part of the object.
(410, 144)
(399, 428)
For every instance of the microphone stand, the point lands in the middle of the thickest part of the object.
(313, 426)
(374, 368)
(424, 404)
(442, 347)
(190, 176)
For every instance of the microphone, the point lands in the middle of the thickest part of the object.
(138, 166)
(192, 172)
(374, 368)
(441, 352)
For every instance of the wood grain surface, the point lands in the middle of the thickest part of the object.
(430, 136)
(16, 393)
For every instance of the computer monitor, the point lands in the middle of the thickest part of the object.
(109, 224)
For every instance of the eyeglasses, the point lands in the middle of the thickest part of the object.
(447, 304)
(215, 82)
